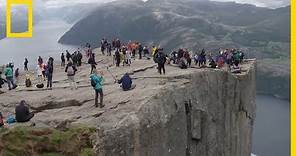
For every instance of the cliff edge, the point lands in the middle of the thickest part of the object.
(208, 112)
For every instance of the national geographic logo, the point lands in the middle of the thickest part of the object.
(26, 34)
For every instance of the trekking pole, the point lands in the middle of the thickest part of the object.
(112, 74)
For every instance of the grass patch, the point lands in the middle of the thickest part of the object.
(46, 142)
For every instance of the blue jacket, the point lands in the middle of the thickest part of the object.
(98, 79)
(126, 82)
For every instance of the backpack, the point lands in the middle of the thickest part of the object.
(28, 82)
(41, 85)
(70, 71)
(93, 82)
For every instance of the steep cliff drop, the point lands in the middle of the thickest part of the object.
(201, 112)
(206, 112)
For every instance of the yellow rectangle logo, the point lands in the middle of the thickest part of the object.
(27, 34)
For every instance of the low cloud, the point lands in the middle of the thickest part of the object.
(59, 3)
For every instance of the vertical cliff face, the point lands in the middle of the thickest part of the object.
(207, 113)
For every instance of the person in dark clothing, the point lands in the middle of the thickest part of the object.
(26, 64)
(146, 51)
(103, 45)
(126, 82)
(202, 61)
(79, 58)
(117, 58)
(75, 58)
(109, 49)
(118, 44)
(16, 75)
(213, 64)
(40, 60)
(140, 50)
(187, 57)
(68, 55)
(22, 113)
(63, 60)
(183, 63)
(49, 73)
(113, 44)
(180, 54)
(92, 62)
(160, 60)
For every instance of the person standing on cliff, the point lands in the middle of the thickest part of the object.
(16, 76)
(160, 59)
(92, 62)
(63, 60)
(26, 64)
(40, 60)
(9, 77)
(49, 73)
(71, 71)
(68, 55)
(96, 83)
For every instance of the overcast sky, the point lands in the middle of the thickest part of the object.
(262, 3)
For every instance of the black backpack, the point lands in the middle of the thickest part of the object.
(28, 82)
(93, 83)
(41, 85)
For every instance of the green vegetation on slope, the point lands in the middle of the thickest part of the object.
(46, 142)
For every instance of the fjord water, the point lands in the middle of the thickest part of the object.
(43, 43)
(271, 134)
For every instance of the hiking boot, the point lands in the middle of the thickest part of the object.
(101, 105)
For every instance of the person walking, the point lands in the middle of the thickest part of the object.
(117, 58)
(140, 48)
(63, 60)
(26, 64)
(49, 73)
(92, 62)
(16, 75)
(40, 60)
(68, 55)
(71, 71)
(9, 77)
(96, 82)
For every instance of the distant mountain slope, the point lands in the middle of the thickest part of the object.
(159, 20)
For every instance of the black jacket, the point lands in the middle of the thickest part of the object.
(21, 113)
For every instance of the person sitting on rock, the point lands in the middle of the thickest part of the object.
(22, 113)
(183, 63)
(212, 64)
(126, 82)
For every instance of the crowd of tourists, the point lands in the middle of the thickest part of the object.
(123, 54)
